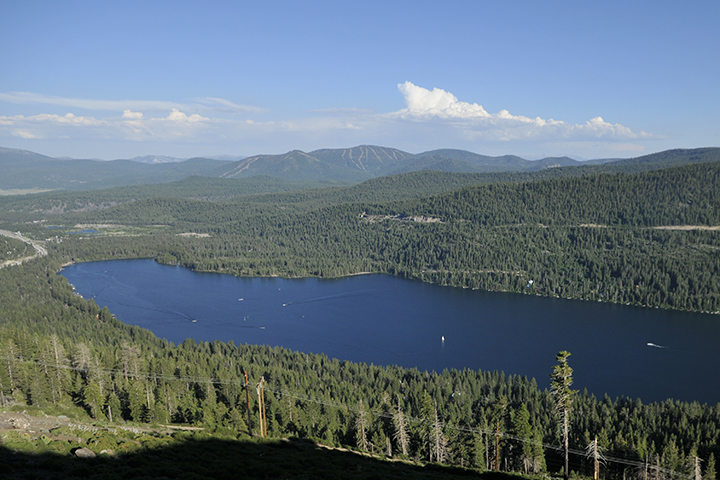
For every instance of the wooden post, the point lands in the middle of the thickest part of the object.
(264, 414)
(497, 447)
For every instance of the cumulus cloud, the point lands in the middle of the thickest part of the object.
(437, 104)
(67, 119)
(179, 117)
(177, 124)
(431, 118)
(47, 125)
(131, 125)
(129, 114)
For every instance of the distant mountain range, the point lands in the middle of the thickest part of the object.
(154, 159)
(365, 162)
(22, 169)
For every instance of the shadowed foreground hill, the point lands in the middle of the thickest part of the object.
(197, 458)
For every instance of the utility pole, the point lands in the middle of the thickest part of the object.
(247, 392)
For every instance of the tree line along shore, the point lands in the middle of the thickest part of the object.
(591, 237)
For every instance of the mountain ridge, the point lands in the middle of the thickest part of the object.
(23, 169)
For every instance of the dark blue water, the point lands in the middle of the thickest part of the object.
(390, 321)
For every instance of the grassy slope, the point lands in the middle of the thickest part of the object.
(142, 452)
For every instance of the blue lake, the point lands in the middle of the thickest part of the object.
(619, 350)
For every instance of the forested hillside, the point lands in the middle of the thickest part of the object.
(645, 239)
(648, 238)
(63, 354)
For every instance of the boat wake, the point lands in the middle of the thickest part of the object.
(166, 311)
(327, 297)
(654, 345)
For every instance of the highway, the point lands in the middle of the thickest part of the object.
(39, 249)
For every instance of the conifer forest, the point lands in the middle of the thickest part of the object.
(646, 238)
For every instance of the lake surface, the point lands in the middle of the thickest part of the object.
(619, 350)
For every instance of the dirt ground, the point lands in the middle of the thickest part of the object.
(34, 426)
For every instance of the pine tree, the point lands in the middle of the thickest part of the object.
(538, 453)
(93, 398)
(710, 468)
(523, 449)
(561, 381)
(114, 407)
(499, 419)
(477, 449)
(427, 409)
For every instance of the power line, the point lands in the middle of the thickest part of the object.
(342, 406)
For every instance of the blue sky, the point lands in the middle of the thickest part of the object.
(587, 79)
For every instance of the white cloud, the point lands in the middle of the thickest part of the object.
(475, 122)
(179, 117)
(176, 125)
(24, 134)
(437, 102)
(228, 106)
(129, 114)
(600, 127)
(431, 119)
(67, 119)
(131, 125)
(45, 118)
(28, 98)
(201, 103)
